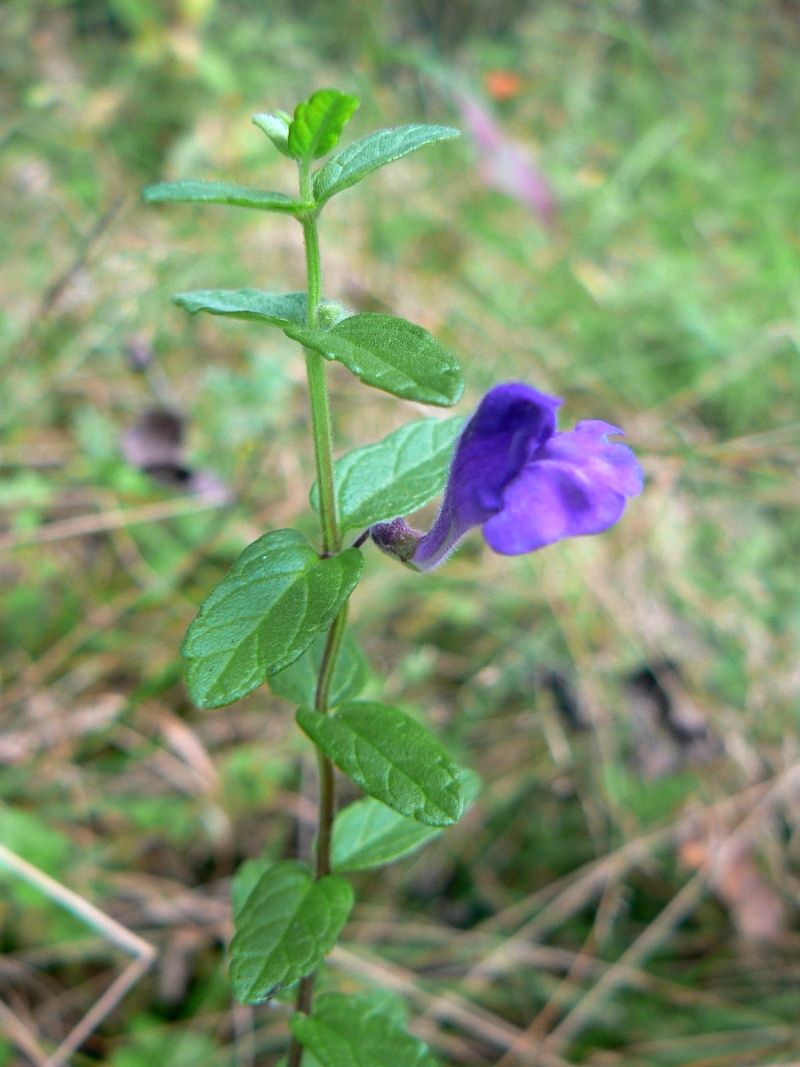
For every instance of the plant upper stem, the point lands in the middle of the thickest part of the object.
(321, 427)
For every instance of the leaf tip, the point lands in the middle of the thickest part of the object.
(184, 300)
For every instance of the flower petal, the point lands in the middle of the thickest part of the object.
(547, 502)
(575, 483)
(511, 421)
(608, 462)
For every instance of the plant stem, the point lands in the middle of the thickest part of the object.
(323, 448)
(321, 428)
(331, 543)
(327, 782)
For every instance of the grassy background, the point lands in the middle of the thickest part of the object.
(625, 890)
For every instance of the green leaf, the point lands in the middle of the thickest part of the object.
(355, 1032)
(392, 757)
(284, 928)
(282, 309)
(391, 354)
(387, 1003)
(247, 877)
(200, 192)
(368, 834)
(395, 476)
(298, 682)
(276, 598)
(376, 150)
(276, 127)
(318, 123)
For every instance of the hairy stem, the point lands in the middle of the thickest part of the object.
(331, 543)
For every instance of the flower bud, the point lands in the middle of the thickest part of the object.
(396, 538)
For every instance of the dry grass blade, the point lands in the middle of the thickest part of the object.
(450, 1008)
(116, 519)
(21, 1036)
(678, 909)
(565, 897)
(100, 1009)
(143, 952)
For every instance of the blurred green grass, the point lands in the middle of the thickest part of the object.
(664, 299)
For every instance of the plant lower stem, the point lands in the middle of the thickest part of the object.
(327, 781)
(322, 433)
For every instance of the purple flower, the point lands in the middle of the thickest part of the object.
(521, 480)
